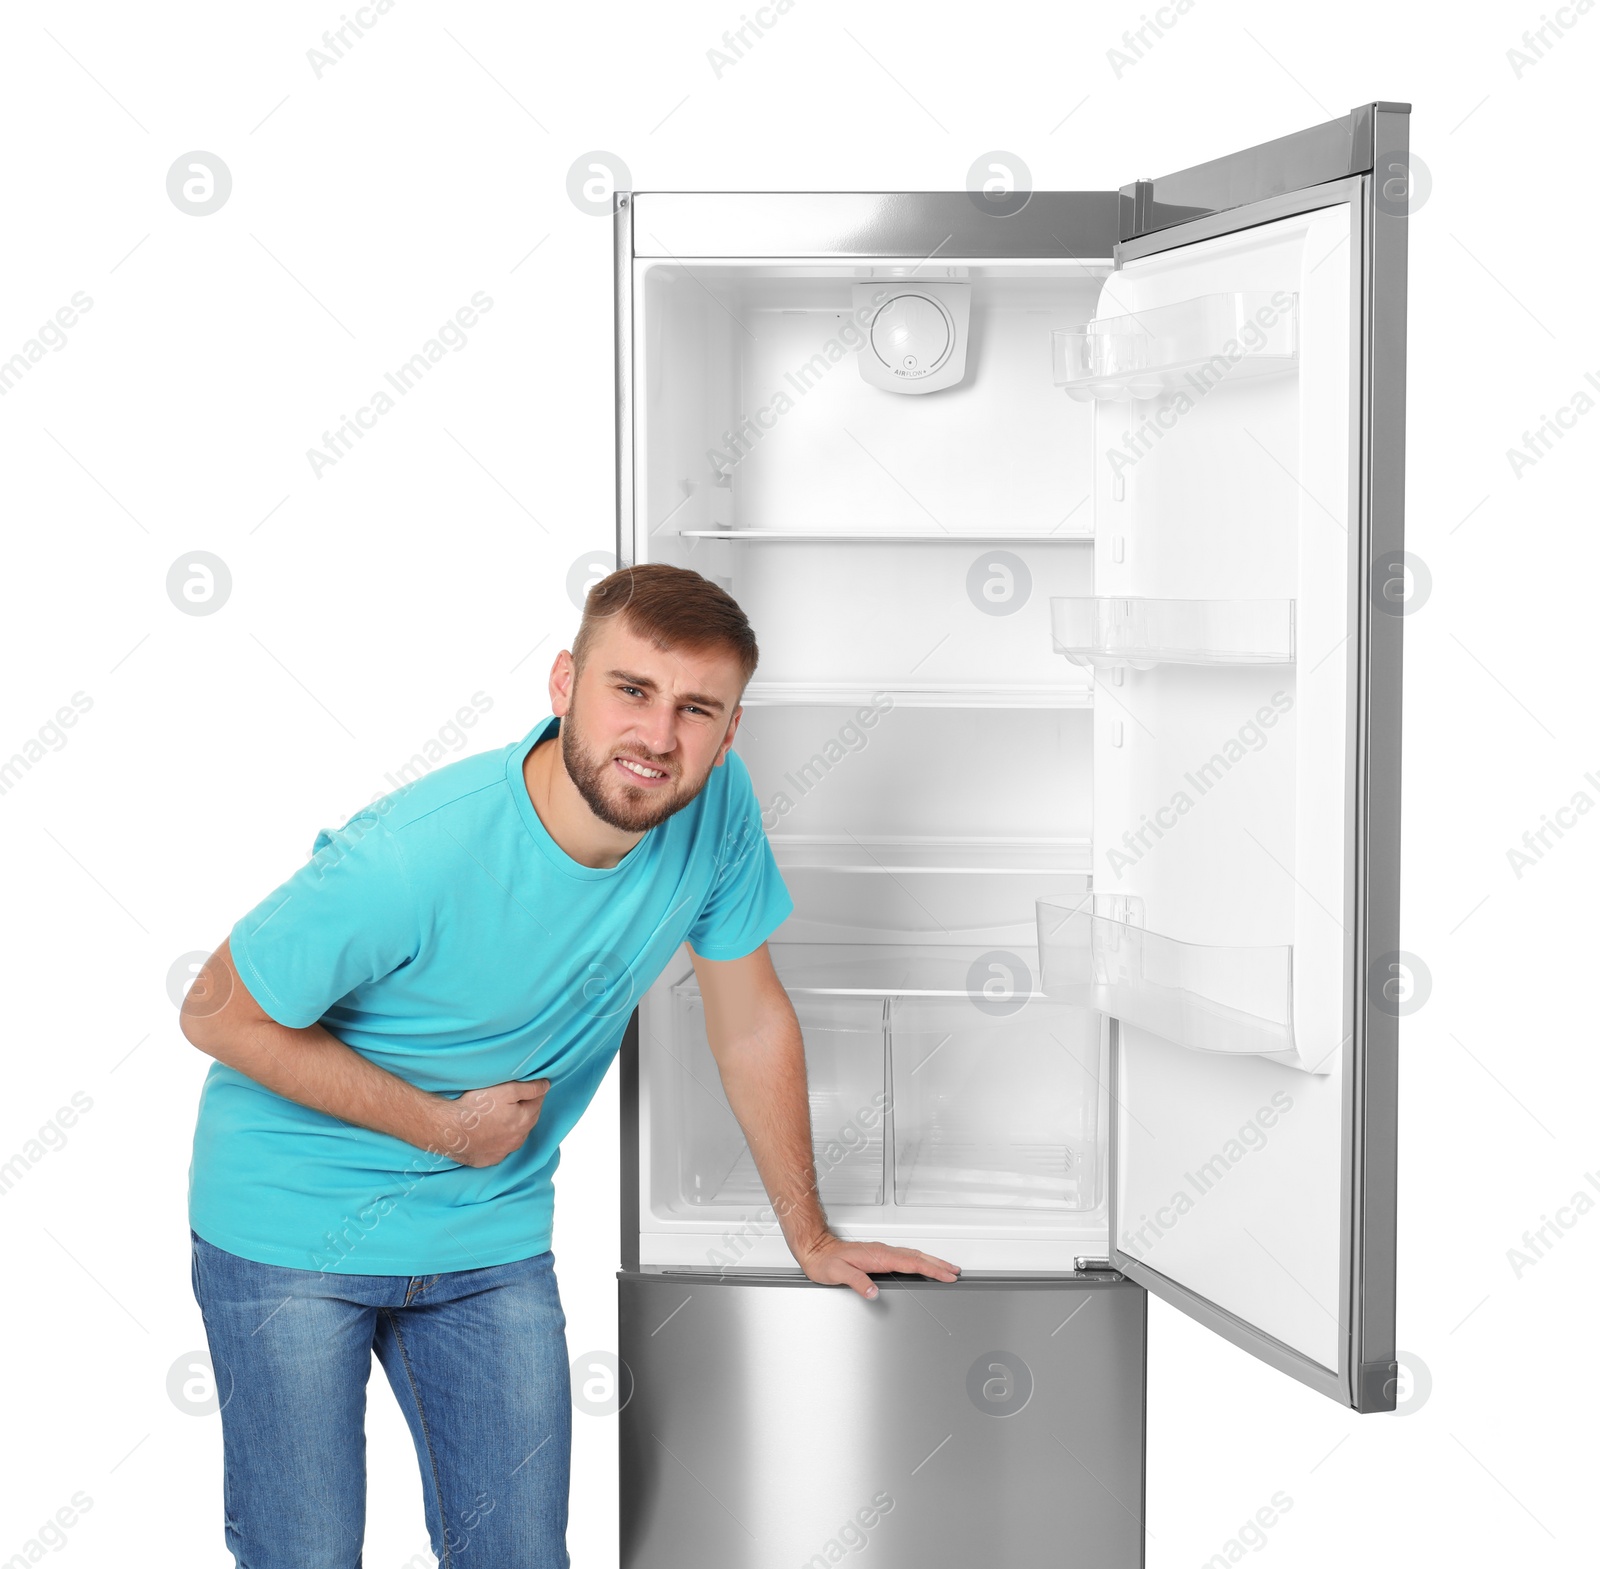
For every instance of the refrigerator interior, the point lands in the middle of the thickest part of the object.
(1140, 471)
(925, 767)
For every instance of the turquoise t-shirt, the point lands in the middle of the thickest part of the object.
(443, 934)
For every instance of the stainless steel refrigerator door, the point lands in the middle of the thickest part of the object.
(772, 1421)
(1230, 1272)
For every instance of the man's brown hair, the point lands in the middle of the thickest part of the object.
(672, 607)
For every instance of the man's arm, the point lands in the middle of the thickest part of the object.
(316, 1069)
(756, 1041)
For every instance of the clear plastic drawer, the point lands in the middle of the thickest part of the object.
(995, 1110)
(845, 1060)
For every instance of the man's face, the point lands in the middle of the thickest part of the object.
(642, 727)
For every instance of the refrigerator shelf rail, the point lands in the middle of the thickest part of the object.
(1233, 1000)
(1143, 633)
(1188, 347)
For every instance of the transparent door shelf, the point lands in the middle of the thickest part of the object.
(919, 694)
(1143, 633)
(1233, 1000)
(892, 536)
(1187, 347)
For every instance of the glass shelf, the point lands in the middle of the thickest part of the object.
(982, 976)
(892, 537)
(898, 856)
(1231, 1000)
(974, 895)
(919, 694)
(1143, 633)
(1187, 347)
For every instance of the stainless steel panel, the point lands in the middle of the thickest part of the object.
(1330, 151)
(1059, 225)
(771, 1421)
(628, 1094)
(1377, 1088)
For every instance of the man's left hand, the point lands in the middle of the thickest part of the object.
(834, 1262)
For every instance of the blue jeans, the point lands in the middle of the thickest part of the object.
(477, 1359)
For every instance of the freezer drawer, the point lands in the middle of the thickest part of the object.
(772, 1421)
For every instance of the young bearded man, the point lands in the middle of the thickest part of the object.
(407, 1028)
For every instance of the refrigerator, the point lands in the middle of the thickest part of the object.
(1070, 524)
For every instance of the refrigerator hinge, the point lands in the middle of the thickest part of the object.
(1096, 1266)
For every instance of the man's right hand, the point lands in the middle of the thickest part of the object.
(483, 1126)
(314, 1068)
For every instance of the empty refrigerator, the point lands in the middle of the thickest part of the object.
(1075, 733)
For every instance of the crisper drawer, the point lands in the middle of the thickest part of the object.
(845, 1069)
(995, 1110)
(918, 1103)
(774, 1422)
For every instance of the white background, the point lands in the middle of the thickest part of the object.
(369, 604)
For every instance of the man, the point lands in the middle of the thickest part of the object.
(404, 1032)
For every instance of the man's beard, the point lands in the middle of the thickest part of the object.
(633, 810)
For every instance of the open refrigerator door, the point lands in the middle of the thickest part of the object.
(1239, 657)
